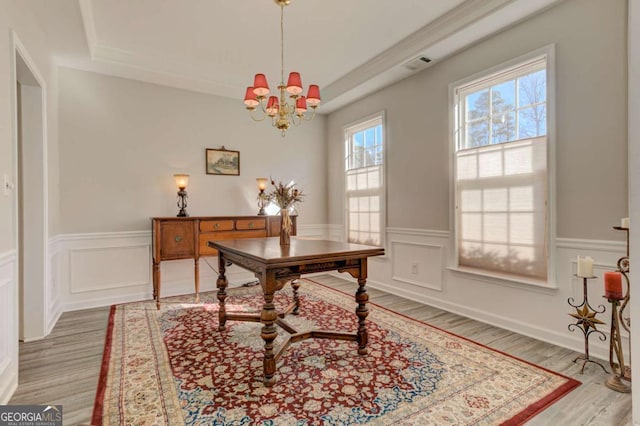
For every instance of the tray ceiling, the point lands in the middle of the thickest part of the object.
(349, 48)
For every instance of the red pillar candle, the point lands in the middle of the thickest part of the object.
(613, 285)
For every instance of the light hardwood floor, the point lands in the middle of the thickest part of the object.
(64, 367)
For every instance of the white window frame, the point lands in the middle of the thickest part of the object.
(354, 127)
(454, 141)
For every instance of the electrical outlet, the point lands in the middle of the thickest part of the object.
(7, 185)
(414, 268)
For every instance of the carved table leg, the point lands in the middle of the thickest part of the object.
(295, 285)
(362, 311)
(156, 283)
(268, 317)
(222, 284)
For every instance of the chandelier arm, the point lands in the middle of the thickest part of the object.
(260, 117)
(295, 119)
(306, 116)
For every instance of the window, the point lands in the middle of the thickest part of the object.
(501, 171)
(364, 181)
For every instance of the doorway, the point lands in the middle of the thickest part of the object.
(31, 199)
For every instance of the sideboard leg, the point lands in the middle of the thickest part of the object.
(196, 271)
(156, 283)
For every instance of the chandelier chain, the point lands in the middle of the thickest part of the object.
(282, 43)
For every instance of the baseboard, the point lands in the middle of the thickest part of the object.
(574, 343)
(8, 388)
(55, 312)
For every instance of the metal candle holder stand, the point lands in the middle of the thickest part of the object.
(620, 370)
(586, 322)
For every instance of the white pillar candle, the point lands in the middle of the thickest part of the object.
(585, 267)
(624, 222)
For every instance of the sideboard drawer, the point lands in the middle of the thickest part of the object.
(205, 250)
(249, 224)
(177, 239)
(216, 225)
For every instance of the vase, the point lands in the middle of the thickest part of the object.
(285, 229)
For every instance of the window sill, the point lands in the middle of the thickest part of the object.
(505, 280)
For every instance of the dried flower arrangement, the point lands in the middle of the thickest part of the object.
(285, 197)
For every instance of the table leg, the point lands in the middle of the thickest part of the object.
(222, 284)
(295, 285)
(156, 283)
(268, 317)
(362, 311)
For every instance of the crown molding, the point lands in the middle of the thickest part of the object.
(467, 23)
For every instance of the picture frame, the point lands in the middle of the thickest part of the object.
(222, 162)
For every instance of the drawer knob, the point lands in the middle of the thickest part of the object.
(217, 225)
(178, 238)
(250, 224)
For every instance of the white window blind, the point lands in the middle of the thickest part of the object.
(364, 182)
(501, 172)
(501, 193)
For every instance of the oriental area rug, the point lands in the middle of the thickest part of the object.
(174, 367)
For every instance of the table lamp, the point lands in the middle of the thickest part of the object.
(262, 197)
(182, 181)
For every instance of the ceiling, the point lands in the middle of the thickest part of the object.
(350, 48)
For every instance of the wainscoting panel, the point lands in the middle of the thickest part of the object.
(314, 232)
(99, 268)
(103, 268)
(8, 326)
(417, 264)
(541, 312)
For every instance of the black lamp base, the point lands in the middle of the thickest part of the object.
(182, 203)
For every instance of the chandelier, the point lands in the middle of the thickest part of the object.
(282, 111)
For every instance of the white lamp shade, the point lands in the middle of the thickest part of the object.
(182, 180)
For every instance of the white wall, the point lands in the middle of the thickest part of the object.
(634, 185)
(122, 140)
(591, 122)
(18, 22)
(591, 168)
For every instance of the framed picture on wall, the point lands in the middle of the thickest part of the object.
(223, 162)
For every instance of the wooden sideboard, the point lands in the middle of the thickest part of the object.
(186, 238)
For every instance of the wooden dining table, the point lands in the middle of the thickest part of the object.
(274, 266)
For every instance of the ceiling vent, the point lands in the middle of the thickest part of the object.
(417, 63)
